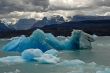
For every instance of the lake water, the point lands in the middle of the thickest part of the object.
(100, 54)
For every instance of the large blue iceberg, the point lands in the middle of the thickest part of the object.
(45, 41)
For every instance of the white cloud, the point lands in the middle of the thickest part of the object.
(13, 17)
(69, 4)
(13, 10)
(18, 14)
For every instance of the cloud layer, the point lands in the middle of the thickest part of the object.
(69, 4)
(13, 10)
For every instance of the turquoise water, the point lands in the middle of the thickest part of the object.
(100, 54)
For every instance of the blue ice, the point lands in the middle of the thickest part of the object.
(45, 41)
(33, 55)
(49, 56)
(12, 60)
(30, 54)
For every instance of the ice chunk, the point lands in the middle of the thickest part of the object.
(12, 60)
(36, 40)
(48, 59)
(30, 54)
(85, 40)
(46, 41)
(95, 36)
(78, 40)
(52, 52)
(71, 62)
(107, 70)
(17, 44)
(16, 71)
(37, 55)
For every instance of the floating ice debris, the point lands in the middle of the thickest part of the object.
(107, 70)
(48, 59)
(79, 66)
(36, 54)
(30, 54)
(94, 36)
(12, 60)
(71, 62)
(46, 41)
(16, 71)
(52, 52)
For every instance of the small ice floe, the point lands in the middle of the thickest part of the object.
(52, 52)
(30, 55)
(71, 62)
(49, 56)
(106, 70)
(12, 60)
(94, 36)
(48, 59)
(16, 71)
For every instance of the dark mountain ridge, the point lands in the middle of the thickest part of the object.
(99, 27)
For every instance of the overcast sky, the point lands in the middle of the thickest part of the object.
(12, 10)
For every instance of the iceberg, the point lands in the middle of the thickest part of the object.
(32, 55)
(49, 56)
(45, 41)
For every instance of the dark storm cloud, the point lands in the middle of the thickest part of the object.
(103, 2)
(13, 10)
(22, 5)
(7, 6)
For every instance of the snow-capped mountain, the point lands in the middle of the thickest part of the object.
(24, 24)
(4, 27)
(49, 21)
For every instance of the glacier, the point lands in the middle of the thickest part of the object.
(45, 41)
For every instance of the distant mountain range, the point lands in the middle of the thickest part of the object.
(99, 25)
(5, 27)
(45, 21)
(25, 24)
(83, 18)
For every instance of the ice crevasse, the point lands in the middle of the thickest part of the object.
(45, 41)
